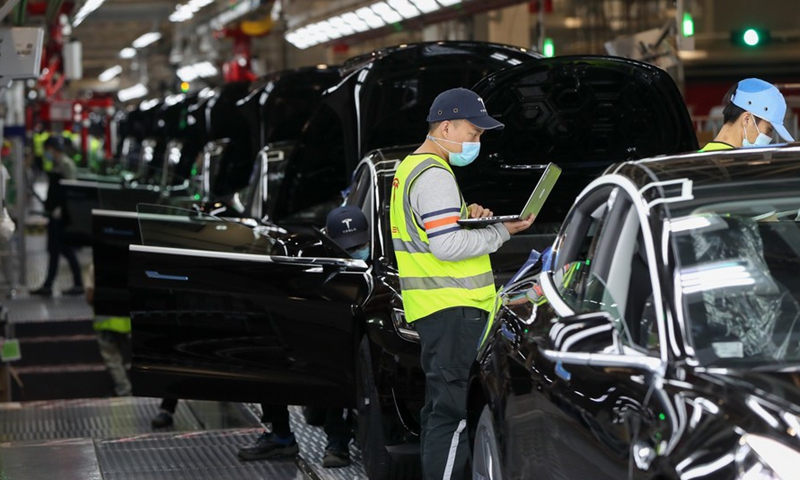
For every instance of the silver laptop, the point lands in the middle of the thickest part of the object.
(533, 206)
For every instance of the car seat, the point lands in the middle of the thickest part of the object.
(735, 321)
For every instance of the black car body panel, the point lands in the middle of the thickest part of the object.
(582, 113)
(382, 102)
(664, 389)
(306, 198)
(222, 113)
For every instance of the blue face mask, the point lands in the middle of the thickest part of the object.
(761, 140)
(361, 254)
(469, 152)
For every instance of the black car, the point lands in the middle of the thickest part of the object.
(660, 337)
(275, 108)
(279, 313)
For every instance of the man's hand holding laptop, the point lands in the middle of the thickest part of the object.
(477, 211)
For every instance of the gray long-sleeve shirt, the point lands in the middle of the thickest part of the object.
(436, 202)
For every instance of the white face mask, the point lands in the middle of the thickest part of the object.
(762, 140)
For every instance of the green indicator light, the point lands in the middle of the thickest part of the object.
(688, 24)
(751, 37)
(549, 48)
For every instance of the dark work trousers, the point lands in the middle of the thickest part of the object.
(336, 427)
(169, 405)
(57, 247)
(449, 341)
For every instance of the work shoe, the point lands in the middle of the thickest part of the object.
(43, 291)
(337, 455)
(270, 446)
(76, 290)
(162, 420)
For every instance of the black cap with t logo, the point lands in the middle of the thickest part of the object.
(462, 104)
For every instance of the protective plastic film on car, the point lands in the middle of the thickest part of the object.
(738, 278)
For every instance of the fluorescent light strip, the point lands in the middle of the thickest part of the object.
(374, 16)
(386, 12)
(110, 73)
(130, 93)
(146, 39)
(186, 11)
(192, 72)
(127, 52)
(404, 8)
(84, 12)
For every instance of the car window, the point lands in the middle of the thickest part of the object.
(607, 269)
(582, 230)
(360, 191)
(316, 174)
(620, 281)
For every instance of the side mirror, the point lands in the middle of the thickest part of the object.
(586, 333)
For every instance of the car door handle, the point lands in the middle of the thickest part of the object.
(159, 276)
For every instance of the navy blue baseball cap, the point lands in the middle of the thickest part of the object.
(462, 104)
(347, 226)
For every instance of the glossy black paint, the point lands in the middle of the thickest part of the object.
(381, 102)
(212, 115)
(330, 135)
(568, 403)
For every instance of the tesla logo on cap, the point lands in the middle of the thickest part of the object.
(347, 221)
(483, 110)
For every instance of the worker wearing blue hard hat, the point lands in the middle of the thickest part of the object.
(755, 110)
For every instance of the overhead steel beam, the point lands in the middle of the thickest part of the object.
(131, 12)
(53, 9)
(6, 8)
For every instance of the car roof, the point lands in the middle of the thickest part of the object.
(778, 162)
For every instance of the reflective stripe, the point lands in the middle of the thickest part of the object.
(451, 456)
(441, 222)
(429, 284)
(433, 283)
(411, 226)
(409, 247)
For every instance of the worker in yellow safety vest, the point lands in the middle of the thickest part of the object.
(754, 110)
(113, 337)
(445, 274)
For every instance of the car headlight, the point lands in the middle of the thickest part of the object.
(762, 458)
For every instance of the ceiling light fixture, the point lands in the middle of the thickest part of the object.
(127, 52)
(194, 71)
(131, 93)
(87, 8)
(146, 39)
(377, 15)
(186, 11)
(110, 74)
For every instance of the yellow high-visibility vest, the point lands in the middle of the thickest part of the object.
(115, 324)
(38, 143)
(428, 284)
(714, 146)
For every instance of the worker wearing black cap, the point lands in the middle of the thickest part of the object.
(58, 166)
(445, 274)
(348, 227)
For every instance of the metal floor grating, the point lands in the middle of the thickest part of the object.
(312, 441)
(111, 417)
(67, 459)
(209, 455)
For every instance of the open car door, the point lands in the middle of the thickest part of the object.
(220, 311)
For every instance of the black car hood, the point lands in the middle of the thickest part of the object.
(583, 113)
(780, 388)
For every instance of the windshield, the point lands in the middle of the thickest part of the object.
(738, 274)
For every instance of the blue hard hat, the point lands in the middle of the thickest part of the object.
(763, 100)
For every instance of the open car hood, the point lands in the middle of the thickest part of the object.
(583, 113)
